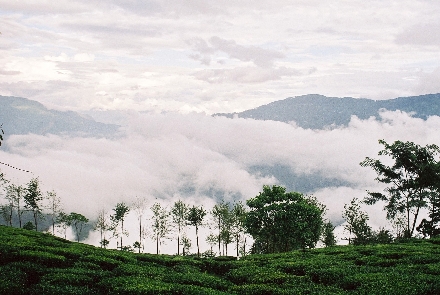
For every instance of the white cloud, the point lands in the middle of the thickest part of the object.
(238, 55)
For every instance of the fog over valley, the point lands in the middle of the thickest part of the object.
(203, 159)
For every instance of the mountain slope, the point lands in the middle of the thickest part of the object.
(317, 111)
(23, 116)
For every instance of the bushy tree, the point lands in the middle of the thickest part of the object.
(281, 222)
(411, 180)
(78, 221)
(328, 235)
(359, 232)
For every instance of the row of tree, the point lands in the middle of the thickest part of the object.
(276, 220)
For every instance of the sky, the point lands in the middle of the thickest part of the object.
(215, 56)
(166, 66)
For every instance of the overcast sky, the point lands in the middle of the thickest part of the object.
(170, 57)
(215, 56)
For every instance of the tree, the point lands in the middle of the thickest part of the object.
(78, 221)
(281, 222)
(33, 198)
(328, 235)
(220, 213)
(179, 212)
(161, 226)
(211, 239)
(63, 222)
(359, 232)
(103, 225)
(186, 244)
(412, 179)
(195, 218)
(54, 207)
(6, 212)
(121, 211)
(139, 207)
(238, 216)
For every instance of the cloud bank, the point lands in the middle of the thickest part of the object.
(202, 159)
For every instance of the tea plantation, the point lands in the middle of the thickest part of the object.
(36, 263)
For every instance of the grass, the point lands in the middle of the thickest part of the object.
(36, 263)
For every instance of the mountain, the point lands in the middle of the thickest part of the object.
(22, 116)
(317, 111)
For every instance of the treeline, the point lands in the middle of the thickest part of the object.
(273, 221)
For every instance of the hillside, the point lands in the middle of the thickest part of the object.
(23, 116)
(318, 111)
(37, 263)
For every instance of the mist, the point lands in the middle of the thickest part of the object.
(202, 159)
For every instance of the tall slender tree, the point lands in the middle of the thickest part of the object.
(103, 225)
(238, 216)
(161, 225)
(139, 206)
(121, 210)
(220, 213)
(179, 211)
(195, 218)
(33, 200)
(54, 207)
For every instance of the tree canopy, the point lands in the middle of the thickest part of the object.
(411, 180)
(281, 222)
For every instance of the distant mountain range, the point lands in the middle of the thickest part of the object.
(317, 111)
(22, 116)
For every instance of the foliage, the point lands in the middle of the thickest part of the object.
(161, 223)
(328, 236)
(195, 218)
(179, 211)
(356, 226)
(281, 222)
(78, 221)
(102, 225)
(36, 263)
(33, 200)
(411, 181)
(121, 210)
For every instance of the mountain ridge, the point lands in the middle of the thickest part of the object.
(315, 111)
(23, 116)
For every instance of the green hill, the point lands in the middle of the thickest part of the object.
(37, 263)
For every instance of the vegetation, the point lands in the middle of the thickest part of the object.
(281, 222)
(36, 263)
(412, 181)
